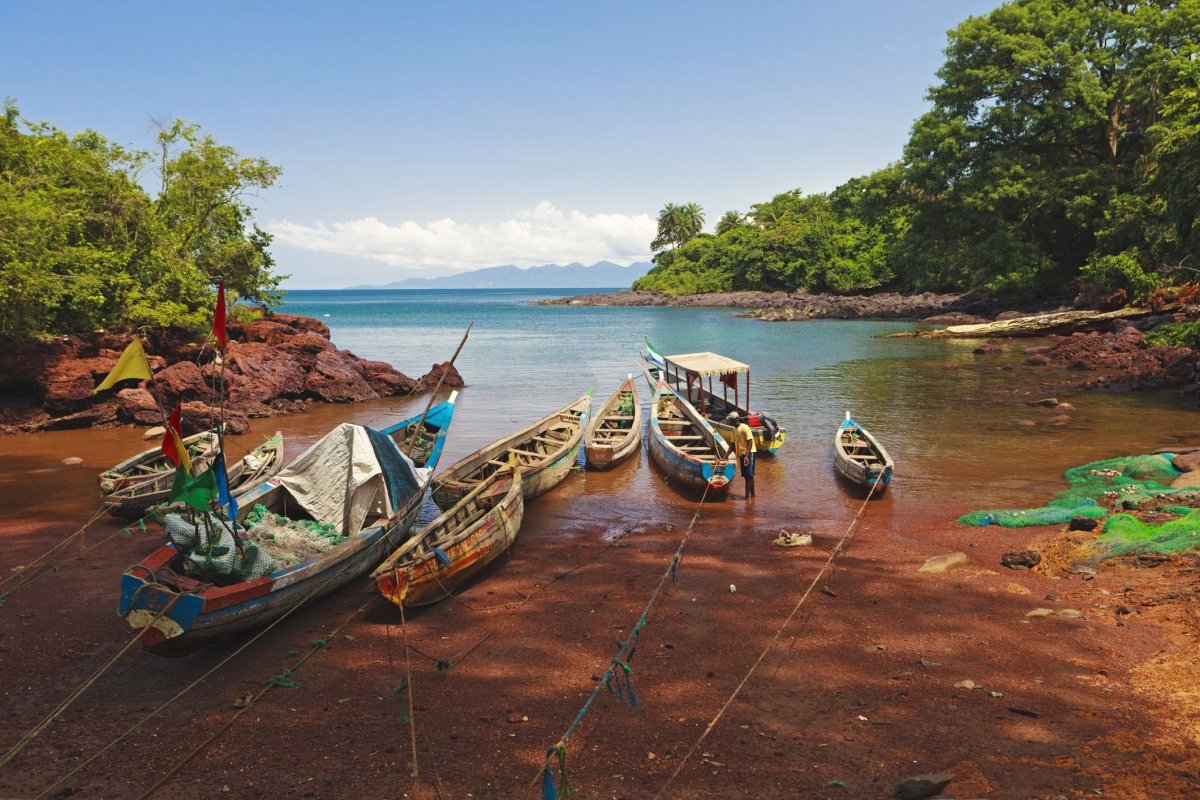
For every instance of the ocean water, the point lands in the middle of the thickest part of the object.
(948, 416)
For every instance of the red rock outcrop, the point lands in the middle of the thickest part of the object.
(275, 365)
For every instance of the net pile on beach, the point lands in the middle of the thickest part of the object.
(1125, 535)
(210, 551)
(289, 541)
(1096, 489)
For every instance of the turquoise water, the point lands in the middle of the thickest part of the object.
(948, 416)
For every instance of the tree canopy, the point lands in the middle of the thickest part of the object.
(83, 245)
(1061, 149)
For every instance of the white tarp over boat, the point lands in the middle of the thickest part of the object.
(340, 480)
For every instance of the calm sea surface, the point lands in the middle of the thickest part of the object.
(948, 416)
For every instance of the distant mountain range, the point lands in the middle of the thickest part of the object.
(601, 275)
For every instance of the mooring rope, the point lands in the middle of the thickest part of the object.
(617, 679)
(20, 570)
(412, 720)
(128, 530)
(447, 663)
(48, 720)
(193, 684)
(741, 684)
(319, 644)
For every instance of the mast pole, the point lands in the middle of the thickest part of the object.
(416, 431)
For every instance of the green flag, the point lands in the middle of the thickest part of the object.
(197, 492)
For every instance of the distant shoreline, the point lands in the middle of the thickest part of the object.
(977, 305)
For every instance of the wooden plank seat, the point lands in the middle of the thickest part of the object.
(682, 437)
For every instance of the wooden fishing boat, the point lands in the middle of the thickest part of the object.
(546, 451)
(358, 486)
(686, 447)
(615, 431)
(860, 458)
(143, 480)
(690, 372)
(456, 545)
(136, 498)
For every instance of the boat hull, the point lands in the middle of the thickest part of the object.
(538, 476)
(142, 481)
(713, 475)
(416, 580)
(608, 441)
(765, 442)
(860, 458)
(182, 613)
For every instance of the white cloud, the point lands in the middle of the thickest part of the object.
(540, 235)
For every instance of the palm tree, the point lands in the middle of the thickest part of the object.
(730, 220)
(677, 224)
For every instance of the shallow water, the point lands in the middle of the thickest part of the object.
(947, 415)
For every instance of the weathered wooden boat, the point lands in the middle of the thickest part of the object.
(145, 479)
(686, 447)
(546, 451)
(615, 431)
(689, 372)
(457, 545)
(860, 458)
(356, 486)
(135, 499)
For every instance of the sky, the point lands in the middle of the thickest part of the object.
(422, 139)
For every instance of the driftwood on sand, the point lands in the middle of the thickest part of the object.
(1061, 322)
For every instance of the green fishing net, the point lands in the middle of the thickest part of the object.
(1124, 483)
(1126, 535)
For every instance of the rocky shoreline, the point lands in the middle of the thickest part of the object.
(978, 305)
(1116, 356)
(273, 366)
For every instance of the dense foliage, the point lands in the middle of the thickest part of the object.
(1062, 150)
(83, 245)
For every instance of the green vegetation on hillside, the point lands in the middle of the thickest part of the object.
(1062, 150)
(83, 245)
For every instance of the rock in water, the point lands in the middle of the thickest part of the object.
(922, 786)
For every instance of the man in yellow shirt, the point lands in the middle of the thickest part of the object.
(743, 446)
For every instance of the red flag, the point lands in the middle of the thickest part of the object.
(172, 439)
(219, 318)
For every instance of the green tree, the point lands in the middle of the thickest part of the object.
(730, 220)
(1040, 129)
(83, 246)
(677, 223)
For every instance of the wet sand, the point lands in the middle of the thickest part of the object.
(858, 687)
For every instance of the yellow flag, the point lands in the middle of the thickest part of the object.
(131, 364)
(185, 460)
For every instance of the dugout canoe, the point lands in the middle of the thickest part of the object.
(685, 446)
(615, 431)
(143, 480)
(692, 374)
(136, 498)
(359, 482)
(860, 458)
(545, 451)
(457, 545)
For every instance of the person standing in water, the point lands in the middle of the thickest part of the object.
(743, 447)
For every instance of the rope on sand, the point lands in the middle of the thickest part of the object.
(129, 732)
(795, 609)
(445, 664)
(127, 531)
(18, 571)
(270, 683)
(48, 720)
(617, 679)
